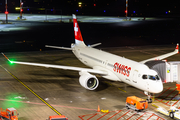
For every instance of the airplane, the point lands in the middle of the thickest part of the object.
(109, 66)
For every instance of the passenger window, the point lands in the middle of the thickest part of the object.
(144, 76)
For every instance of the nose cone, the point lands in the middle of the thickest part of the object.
(157, 87)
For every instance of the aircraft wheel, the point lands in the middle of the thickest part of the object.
(171, 115)
(149, 100)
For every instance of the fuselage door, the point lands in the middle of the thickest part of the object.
(135, 76)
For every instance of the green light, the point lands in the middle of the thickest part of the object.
(11, 62)
(13, 100)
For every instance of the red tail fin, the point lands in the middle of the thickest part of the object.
(77, 32)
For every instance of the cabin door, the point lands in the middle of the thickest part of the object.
(135, 76)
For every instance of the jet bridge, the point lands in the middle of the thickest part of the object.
(168, 71)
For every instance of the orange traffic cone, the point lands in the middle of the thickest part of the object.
(98, 109)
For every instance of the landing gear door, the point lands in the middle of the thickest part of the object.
(135, 76)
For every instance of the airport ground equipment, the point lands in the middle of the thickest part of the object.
(178, 87)
(58, 117)
(136, 103)
(172, 112)
(9, 114)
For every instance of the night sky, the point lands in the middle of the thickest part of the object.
(97, 7)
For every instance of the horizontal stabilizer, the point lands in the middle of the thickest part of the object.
(94, 45)
(65, 48)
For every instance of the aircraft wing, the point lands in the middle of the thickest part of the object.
(161, 57)
(61, 67)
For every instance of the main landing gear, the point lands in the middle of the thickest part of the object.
(149, 97)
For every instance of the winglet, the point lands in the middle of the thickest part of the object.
(7, 58)
(177, 48)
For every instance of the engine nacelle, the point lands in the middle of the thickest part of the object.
(88, 81)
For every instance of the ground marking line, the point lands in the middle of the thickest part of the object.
(122, 90)
(31, 91)
(114, 114)
(51, 104)
(123, 115)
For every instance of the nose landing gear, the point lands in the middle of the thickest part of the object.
(149, 97)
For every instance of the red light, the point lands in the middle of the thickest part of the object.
(125, 11)
(94, 5)
(6, 12)
(21, 10)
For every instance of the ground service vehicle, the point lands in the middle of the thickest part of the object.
(9, 114)
(58, 117)
(172, 112)
(136, 103)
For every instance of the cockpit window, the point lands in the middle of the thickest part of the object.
(151, 77)
(157, 77)
(144, 76)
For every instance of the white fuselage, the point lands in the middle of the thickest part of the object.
(119, 68)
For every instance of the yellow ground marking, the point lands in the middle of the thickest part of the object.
(32, 91)
(108, 83)
(154, 105)
(122, 90)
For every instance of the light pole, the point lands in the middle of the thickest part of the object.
(6, 12)
(21, 4)
(126, 9)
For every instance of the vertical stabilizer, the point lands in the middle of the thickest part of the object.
(77, 32)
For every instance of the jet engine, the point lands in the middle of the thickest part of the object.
(88, 81)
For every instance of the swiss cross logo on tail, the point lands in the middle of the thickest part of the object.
(75, 29)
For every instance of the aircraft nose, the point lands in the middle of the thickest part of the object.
(156, 88)
(159, 88)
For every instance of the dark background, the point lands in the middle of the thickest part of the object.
(97, 7)
(127, 33)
